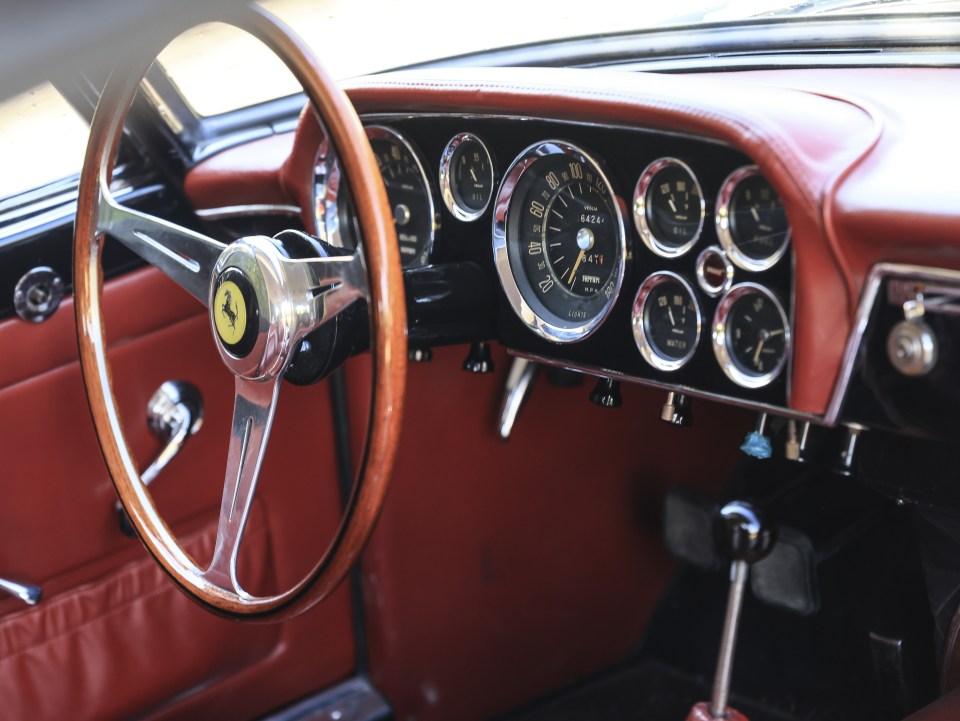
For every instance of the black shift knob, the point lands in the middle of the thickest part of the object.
(742, 533)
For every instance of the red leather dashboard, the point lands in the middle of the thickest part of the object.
(844, 149)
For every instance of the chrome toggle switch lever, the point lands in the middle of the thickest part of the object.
(519, 385)
(30, 595)
(745, 539)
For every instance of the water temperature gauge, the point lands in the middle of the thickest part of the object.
(666, 321)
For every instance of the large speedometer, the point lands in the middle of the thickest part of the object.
(559, 241)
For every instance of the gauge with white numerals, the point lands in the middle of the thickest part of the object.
(666, 321)
(559, 241)
(751, 335)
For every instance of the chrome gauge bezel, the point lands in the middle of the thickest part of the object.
(642, 224)
(721, 338)
(638, 322)
(458, 211)
(725, 230)
(541, 321)
(326, 192)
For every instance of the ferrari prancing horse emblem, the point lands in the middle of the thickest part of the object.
(230, 313)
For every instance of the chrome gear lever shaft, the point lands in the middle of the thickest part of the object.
(744, 538)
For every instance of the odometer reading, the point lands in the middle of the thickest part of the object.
(563, 240)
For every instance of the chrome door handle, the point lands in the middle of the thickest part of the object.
(30, 595)
(174, 413)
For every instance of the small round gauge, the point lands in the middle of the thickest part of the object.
(666, 321)
(408, 189)
(467, 176)
(668, 207)
(751, 335)
(559, 241)
(751, 220)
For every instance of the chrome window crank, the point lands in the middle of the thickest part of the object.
(174, 413)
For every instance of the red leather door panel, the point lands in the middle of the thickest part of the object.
(112, 638)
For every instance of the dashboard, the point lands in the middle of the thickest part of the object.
(648, 256)
(803, 180)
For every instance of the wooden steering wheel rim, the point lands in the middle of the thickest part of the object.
(387, 318)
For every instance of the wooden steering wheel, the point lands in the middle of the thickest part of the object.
(261, 304)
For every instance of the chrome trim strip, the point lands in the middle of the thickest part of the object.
(725, 232)
(556, 329)
(67, 211)
(720, 337)
(871, 289)
(600, 372)
(459, 212)
(647, 235)
(242, 211)
(638, 320)
(352, 700)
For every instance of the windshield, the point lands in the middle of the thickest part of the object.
(358, 37)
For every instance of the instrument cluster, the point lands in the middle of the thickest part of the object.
(628, 253)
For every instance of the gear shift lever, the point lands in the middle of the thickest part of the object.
(744, 538)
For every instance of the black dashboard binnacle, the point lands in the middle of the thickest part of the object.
(632, 254)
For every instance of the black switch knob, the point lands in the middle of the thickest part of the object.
(742, 534)
(479, 359)
(607, 393)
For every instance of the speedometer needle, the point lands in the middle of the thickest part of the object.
(573, 273)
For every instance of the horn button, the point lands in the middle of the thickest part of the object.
(254, 309)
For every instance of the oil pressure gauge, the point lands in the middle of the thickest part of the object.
(751, 335)
(668, 207)
(467, 176)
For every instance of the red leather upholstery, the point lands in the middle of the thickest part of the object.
(112, 639)
(946, 708)
(503, 571)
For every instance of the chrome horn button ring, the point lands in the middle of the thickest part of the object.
(253, 314)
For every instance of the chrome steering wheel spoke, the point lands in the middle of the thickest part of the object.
(253, 412)
(183, 255)
(332, 284)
